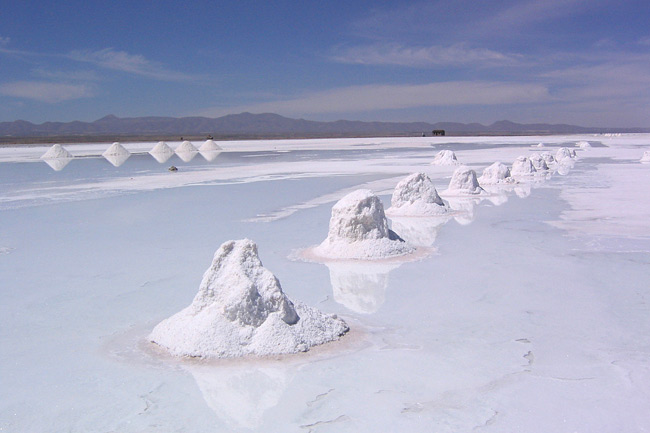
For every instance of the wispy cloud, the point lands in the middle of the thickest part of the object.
(4, 41)
(65, 75)
(419, 56)
(372, 98)
(131, 63)
(45, 92)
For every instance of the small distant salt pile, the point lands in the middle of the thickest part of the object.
(646, 157)
(186, 151)
(445, 157)
(240, 310)
(539, 145)
(538, 162)
(210, 150)
(583, 144)
(497, 173)
(564, 154)
(116, 154)
(416, 195)
(161, 152)
(523, 167)
(57, 157)
(463, 182)
(359, 230)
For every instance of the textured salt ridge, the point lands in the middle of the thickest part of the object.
(57, 152)
(646, 156)
(464, 183)
(496, 174)
(358, 230)
(445, 157)
(241, 310)
(210, 146)
(416, 195)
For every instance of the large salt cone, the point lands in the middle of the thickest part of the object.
(497, 173)
(464, 182)
(445, 157)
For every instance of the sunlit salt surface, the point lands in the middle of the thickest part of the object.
(529, 313)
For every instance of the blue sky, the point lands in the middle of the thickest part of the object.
(570, 61)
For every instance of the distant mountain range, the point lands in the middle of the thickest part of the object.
(273, 125)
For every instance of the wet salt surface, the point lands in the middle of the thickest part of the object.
(513, 324)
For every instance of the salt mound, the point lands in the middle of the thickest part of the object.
(646, 156)
(564, 154)
(240, 310)
(186, 151)
(116, 154)
(523, 167)
(359, 230)
(445, 157)
(497, 173)
(583, 144)
(538, 162)
(210, 146)
(161, 152)
(55, 152)
(539, 145)
(464, 182)
(416, 196)
(548, 158)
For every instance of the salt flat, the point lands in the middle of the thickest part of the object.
(529, 314)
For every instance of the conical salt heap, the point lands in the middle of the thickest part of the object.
(523, 167)
(210, 146)
(646, 156)
(564, 154)
(538, 162)
(464, 182)
(416, 195)
(445, 157)
(240, 310)
(161, 152)
(116, 154)
(359, 230)
(495, 174)
(186, 151)
(57, 151)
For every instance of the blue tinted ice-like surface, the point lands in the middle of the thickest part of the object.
(513, 324)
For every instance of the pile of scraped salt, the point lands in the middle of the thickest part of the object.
(116, 154)
(57, 151)
(445, 157)
(523, 167)
(464, 182)
(210, 146)
(538, 162)
(563, 154)
(416, 195)
(548, 158)
(497, 173)
(359, 230)
(241, 310)
(646, 156)
(583, 144)
(161, 152)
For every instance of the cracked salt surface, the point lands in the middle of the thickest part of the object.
(558, 271)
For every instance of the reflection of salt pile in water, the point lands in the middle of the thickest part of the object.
(497, 173)
(421, 231)
(116, 154)
(538, 162)
(646, 156)
(240, 395)
(416, 196)
(445, 157)
(523, 167)
(359, 230)
(210, 150)
(583, 144)
(186, 151)
(57, 157)
(360, 286)
(240, 309)
(463, 182)
(161, 152)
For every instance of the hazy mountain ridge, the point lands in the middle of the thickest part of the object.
(274, 124)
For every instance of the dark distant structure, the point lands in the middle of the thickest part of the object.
(438, 132)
